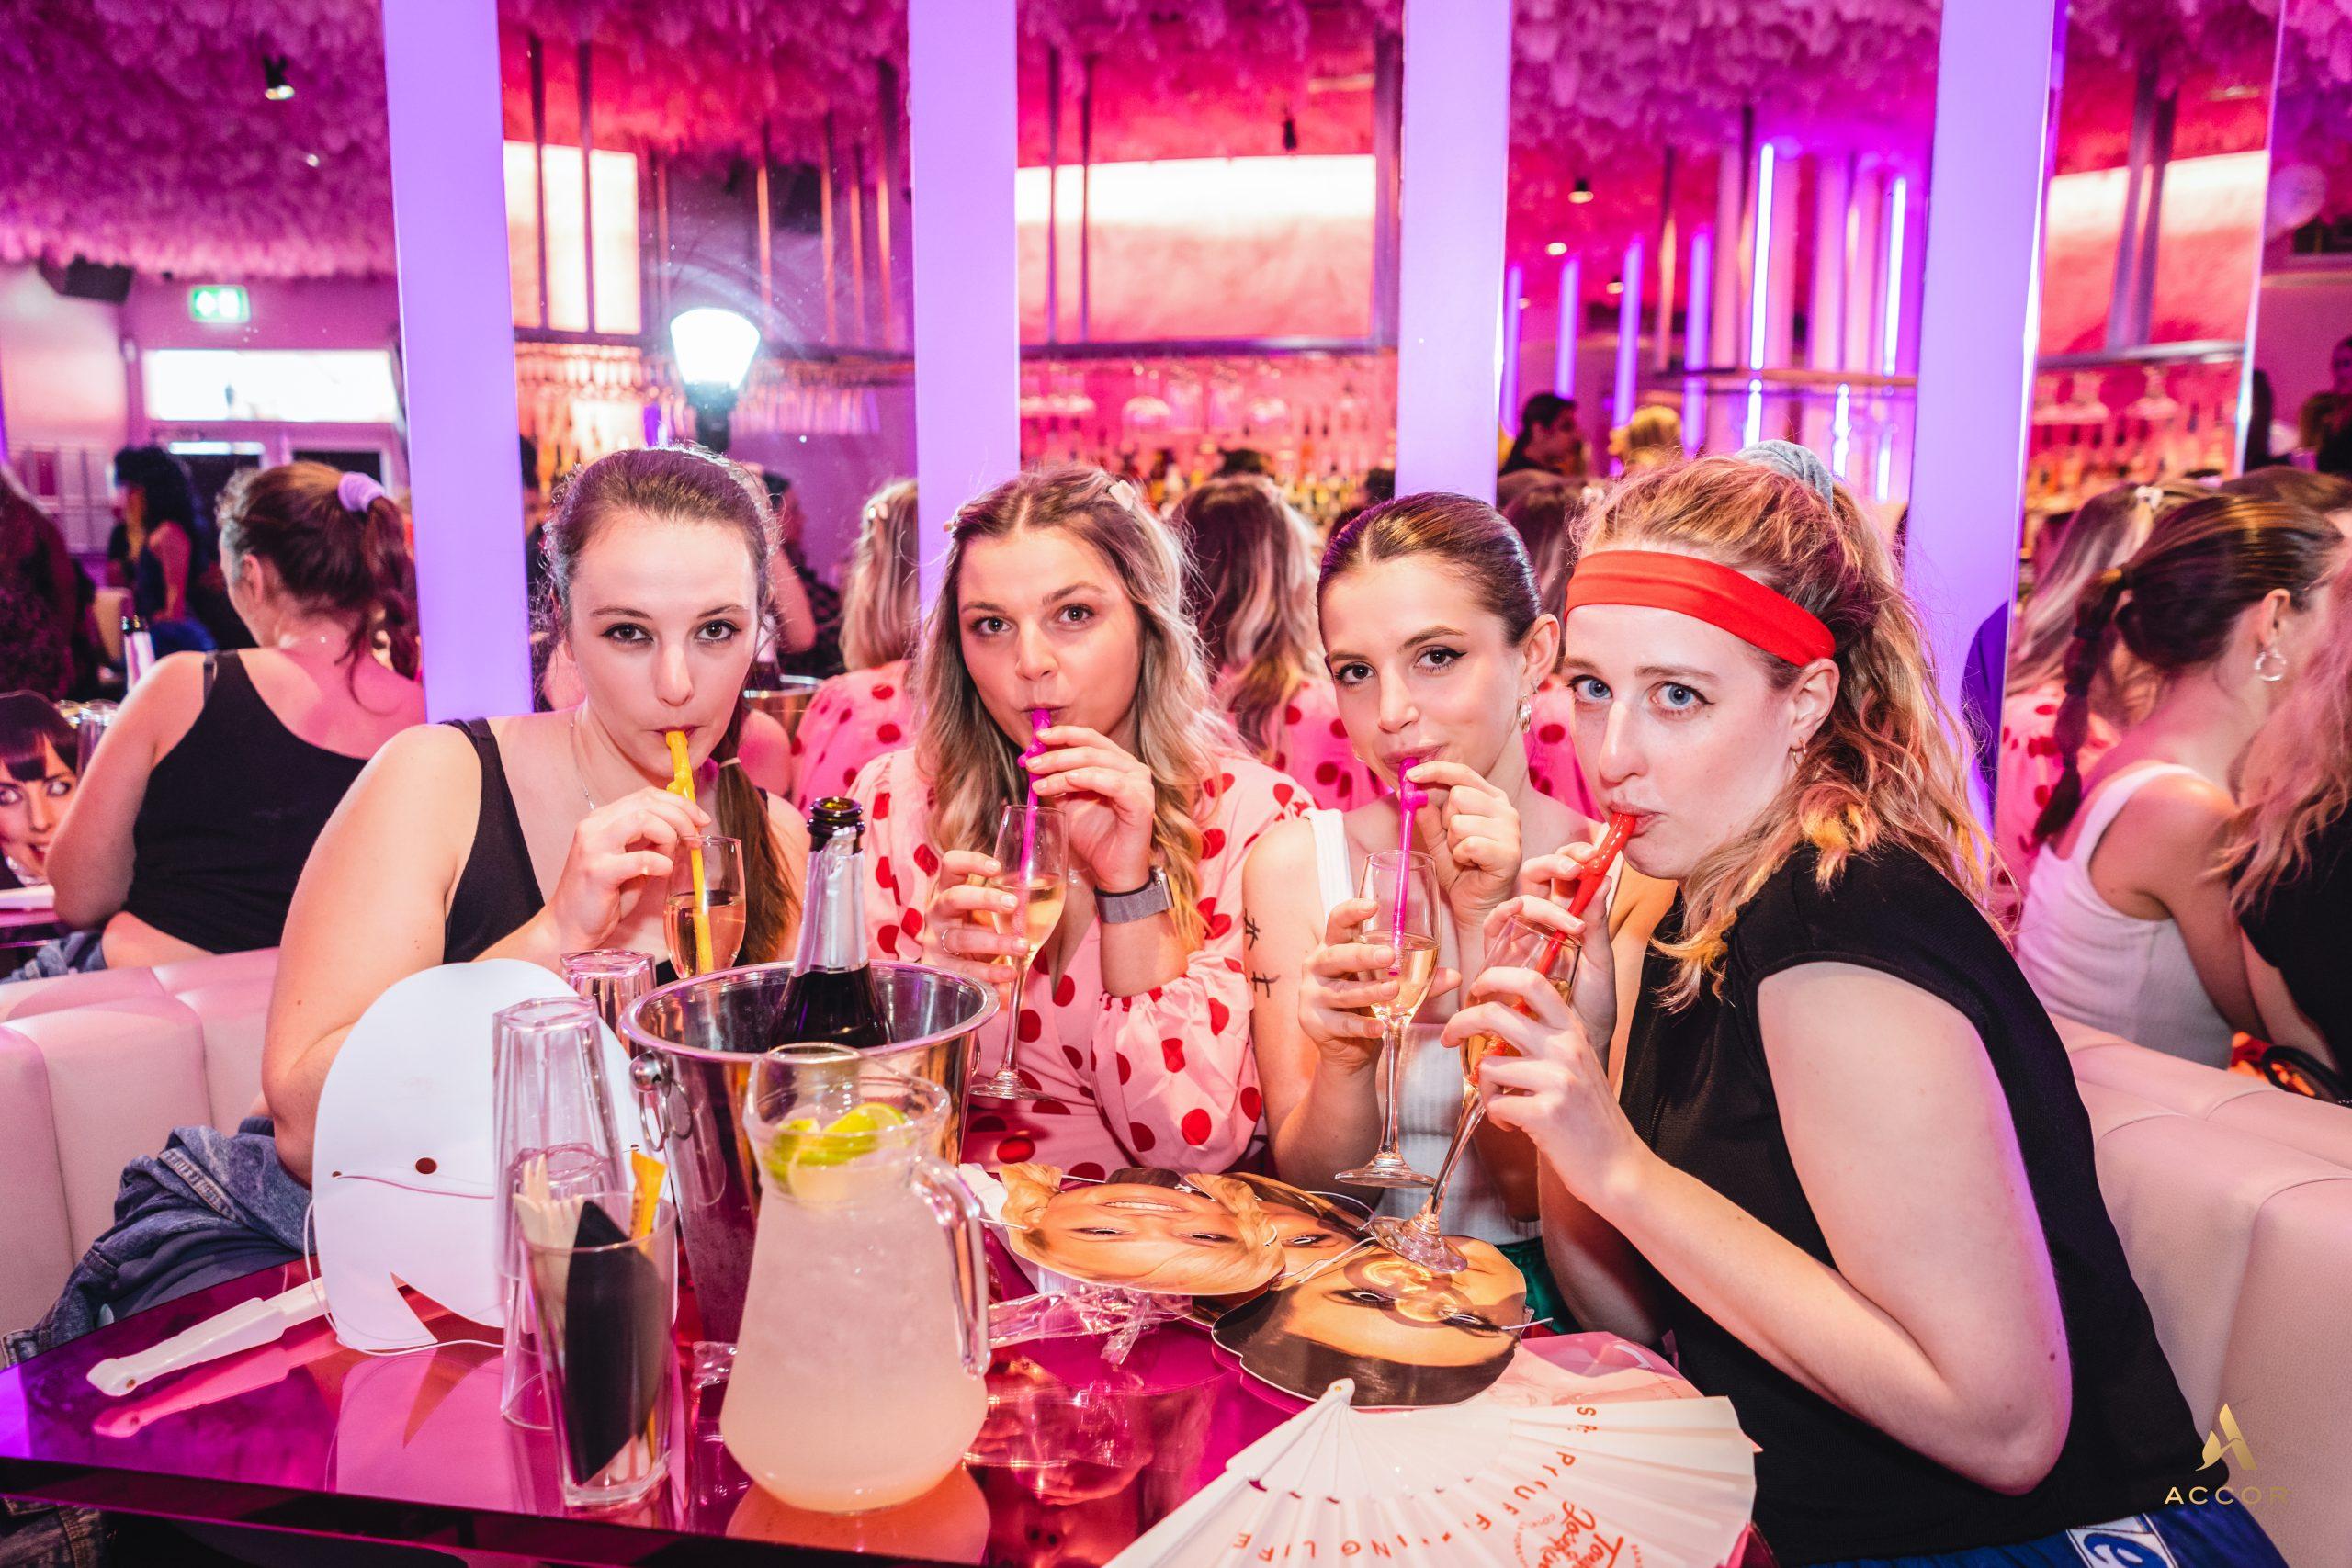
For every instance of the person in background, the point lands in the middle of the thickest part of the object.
(196, 815)
(1062, 592)
(808, 611)
(36, 784)
(1548, 439)
(1241, 460)
(1251, 591)
(2104, 532)
(2289, 851)
(1651, 439)
(857, 716)
(2131, 930)
(2330, 495)
(44, 598)
(1547, 515)
(175, 580)
(1847, 1166)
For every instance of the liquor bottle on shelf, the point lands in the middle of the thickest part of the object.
(831, 997)
(138, 648)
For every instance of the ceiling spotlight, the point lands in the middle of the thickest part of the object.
(275, 87)
(311, 159)
(1557, 248)
(714, 350)
(1583, 193)
(1616, 285)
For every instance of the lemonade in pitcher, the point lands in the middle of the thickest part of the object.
(860, 1373)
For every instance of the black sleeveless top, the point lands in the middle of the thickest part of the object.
(229, 816)
(497, 892)
(1699, 1091)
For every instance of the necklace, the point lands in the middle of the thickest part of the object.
(321, 638)
(579, 764)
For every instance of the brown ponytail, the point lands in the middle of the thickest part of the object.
(350, 564)
(2085, 657)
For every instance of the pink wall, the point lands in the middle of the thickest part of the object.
(62, 380)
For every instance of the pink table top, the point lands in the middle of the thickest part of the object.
(306, 1436)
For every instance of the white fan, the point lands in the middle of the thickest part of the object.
(1649, 1483)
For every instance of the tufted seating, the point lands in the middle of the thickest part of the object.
(96, 1070)
(2234, 1203)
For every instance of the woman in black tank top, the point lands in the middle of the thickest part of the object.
(1846, 1169)
(541, 834)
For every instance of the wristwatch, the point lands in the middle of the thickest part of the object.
(1121, 909)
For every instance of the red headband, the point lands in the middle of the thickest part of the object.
(1707, 592)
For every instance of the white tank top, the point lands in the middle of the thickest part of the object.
(2090, 962)
(1432, 1104)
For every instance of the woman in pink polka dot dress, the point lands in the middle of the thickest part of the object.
(855, 718)
(1063, 594)
(1252, 595)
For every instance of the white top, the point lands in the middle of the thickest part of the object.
(2090, 962)
(1431, 1080)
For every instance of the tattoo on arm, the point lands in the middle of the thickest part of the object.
(1262, 983)
(1250, 930)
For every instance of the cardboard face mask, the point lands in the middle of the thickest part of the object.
(1404, 1335)
(1194, 1235)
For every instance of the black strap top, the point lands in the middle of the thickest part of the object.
(1699, 1089)
(229, 816)
(497, 892)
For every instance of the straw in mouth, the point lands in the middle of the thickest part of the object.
(681, 782)
(1596, 872)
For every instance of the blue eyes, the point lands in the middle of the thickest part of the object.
(1672, 696)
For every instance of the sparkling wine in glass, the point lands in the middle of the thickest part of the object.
(1033, 846)
(1402, 886)
(716, 905)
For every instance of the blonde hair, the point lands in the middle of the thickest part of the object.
(1883, 768)
(2106, 531)
(1653, 436)
(1030, 1187)
(1180, 730)
(1253, 597)
(881, 604)
(2299, 770)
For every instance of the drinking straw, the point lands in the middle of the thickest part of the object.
(1410, 799)
(1038, 720)
(647, 1196)
(682, 781)
(1596, 872)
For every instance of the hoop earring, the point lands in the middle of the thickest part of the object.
(1526, 714)
(2271, 665)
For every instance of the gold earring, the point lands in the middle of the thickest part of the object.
(1526, 714)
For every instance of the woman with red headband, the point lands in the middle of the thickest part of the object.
(1848, 1167)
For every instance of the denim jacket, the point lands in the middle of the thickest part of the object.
(208, 1195)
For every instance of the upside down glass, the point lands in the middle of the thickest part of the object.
(861, 1368)
(1402, 886)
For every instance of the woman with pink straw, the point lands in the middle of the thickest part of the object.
(1063, 594)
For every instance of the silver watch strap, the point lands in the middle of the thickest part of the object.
(1121, 909)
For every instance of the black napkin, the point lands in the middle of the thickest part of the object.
(615, 1343)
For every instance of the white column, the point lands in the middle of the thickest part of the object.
(1563, 346)
(1514, 333)
(1980, 317)
(1697, 338)
(1450, 308)
(960, 83)
(1629, 337)
(457, 352)
(1728, 345)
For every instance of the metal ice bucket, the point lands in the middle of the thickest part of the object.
(783, 698)
(692, 1045)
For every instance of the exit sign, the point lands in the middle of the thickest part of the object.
(221, 304)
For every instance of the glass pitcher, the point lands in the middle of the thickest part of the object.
(860, 1371)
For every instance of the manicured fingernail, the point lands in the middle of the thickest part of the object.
(1006, 901)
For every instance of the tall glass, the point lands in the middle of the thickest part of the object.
(89, 729)
(1518, 945)
(1033, 846)
(1402, 886)
(548, 1101)
(861, 1366)
(716, 905)
(604, 1302)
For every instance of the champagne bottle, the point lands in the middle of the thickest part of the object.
(831, 997)
(138, 648)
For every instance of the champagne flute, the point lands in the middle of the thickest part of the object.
(1033, 846)
(684, 911)
(1402, 886)
(1518, 945)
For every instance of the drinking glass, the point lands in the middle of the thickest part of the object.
(604, 1299)
(89, 729)
(1402, 886)
(549, 1099)
(1518, 945)
(1033, 846)
(685, 916)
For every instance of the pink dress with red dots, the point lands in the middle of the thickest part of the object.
(1164, 1079)
(2029, 767)
(1311, 745)
(852, 720)
(1551, 758)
